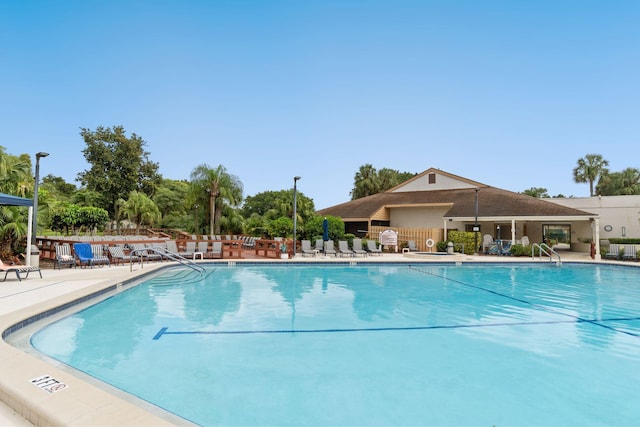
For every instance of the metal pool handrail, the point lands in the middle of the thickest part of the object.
(547, 250)
(171, 255)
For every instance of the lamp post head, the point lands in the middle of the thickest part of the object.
(295, 178)
(41, 154)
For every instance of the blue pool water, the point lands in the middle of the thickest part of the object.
(379, 345)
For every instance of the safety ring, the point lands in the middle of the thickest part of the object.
(430, 243)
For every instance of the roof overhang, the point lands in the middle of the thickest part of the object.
(524, 218)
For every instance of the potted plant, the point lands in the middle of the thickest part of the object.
(283, 251)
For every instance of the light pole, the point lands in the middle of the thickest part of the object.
(475, 227)
(295, 212)
(35, 198)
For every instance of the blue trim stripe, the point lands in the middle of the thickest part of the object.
(165, 330)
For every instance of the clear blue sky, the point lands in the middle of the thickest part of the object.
(509, 93)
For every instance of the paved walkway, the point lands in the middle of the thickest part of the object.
(20, 300)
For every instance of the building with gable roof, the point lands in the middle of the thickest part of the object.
(435, 199)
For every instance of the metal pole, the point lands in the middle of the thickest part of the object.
(35, 199)
(475, 227)
(295, 212)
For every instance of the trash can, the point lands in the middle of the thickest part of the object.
(450, 248)
(35, 256)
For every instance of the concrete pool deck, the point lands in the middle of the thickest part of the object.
(79, 402)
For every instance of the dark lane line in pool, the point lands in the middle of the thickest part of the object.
(541, 307)
(165, 330)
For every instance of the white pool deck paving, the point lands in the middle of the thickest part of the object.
(87, 403)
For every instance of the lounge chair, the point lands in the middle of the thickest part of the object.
(411, 245)
(330, 248)
(319, 246)
(357, 248)
(216, 250)
(203, 248)
(172, 247)
(306, 248)
(64, 256)
(372, 248)
(151, 254)
(343, 248)
(630, 253)
(189, 250)
(99, 258)
(613, 252)
(18, 269)
(83, 254)
(119, 257)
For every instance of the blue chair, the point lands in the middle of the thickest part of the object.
(82, 252)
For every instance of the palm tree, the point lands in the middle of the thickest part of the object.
(589, 169)
(220, 186)
(626, 182)
(139, 208)
(366, 182)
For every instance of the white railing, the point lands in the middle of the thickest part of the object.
(547, 250)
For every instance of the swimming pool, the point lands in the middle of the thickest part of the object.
(374, 345)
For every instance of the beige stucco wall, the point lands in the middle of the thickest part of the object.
(418, 217)
(614, 211)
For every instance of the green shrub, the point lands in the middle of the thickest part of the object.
(467, 238)
(520, 250)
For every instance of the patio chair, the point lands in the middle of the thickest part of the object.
(525, 241)
(306, 248)
(330, 248)
(343, 248)
(119, 257)
(203, 248)
(372, 248)
(630, 253)
(83, 254)
(487, 243)
(189, 250)
(216, 250)
(18, 269)
(99, 258)
(357, 248)
(411, 245)
(319, 245)
(613, 252)
(64, 256)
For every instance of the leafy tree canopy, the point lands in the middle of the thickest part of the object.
(119, 165)
(536, 192)
(369, 181)
(622, 183)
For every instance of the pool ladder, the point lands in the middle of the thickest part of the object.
(171, 255)
(547, 250)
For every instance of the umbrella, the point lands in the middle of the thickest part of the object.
(325, 230)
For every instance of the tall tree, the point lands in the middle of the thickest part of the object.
(220, 187)
(622, 183)
(589, 168)
(365, 182)
(119, 165)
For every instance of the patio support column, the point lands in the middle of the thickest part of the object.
(445, 230)
(595, 232)
(513, 231)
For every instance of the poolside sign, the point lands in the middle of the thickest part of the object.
(389, 238)
(48, 384)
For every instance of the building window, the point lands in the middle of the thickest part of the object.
(556, 234)
(432, 178)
